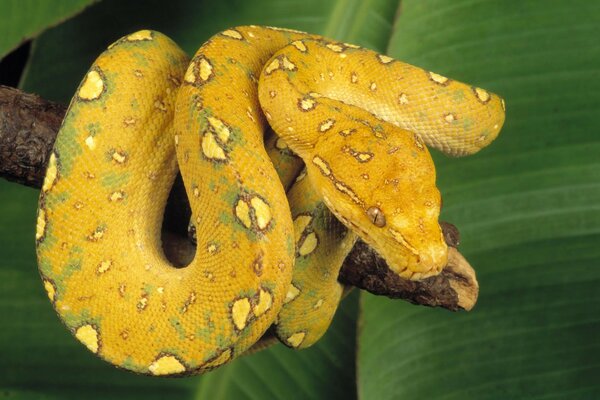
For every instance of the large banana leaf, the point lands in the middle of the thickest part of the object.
(22, 19)
(528, 209)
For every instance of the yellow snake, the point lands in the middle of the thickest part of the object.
(357, 119)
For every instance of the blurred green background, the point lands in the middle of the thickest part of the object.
(528, 208)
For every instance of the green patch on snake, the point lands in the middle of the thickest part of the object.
(93, 128)
(76, 250)
(467, 123)
(68, 148)
(133, 104)
(148, 289)
(73, 320)
(129, 364)
(291, 246)
(176, 62)
(458, 96)
(206, 331)
(54, 199)
(46, 268)
(73, 265)
(176, 324)
(114, 180)
(140, 58)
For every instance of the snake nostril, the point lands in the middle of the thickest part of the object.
(376, 216)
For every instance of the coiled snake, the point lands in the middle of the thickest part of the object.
(357, 119)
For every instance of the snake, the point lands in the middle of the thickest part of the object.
(291, 146)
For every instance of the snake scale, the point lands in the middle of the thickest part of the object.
(350, 151)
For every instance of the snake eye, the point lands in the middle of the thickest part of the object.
(376, 216)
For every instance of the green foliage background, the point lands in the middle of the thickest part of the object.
(528, 209)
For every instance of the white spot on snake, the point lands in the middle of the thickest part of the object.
(117, 195)
(309, 244)
(142, 303)
(450, 118)
(51, 173)
(232, 33)
(373, 86)
(384, 59)
(334, 47)
(322, 165)
(119, 157)
(296, 339)
(140, 35)
(212, 248)
(299, 44)
(262, 212)
(104, 266)
(90, 142)
(482, 94)
(439, 79)
(40, 228)
(205, 69)
(92, 86)
(50, 290)
(242, 211)
(97, 234)
(326, 125)
(287, 64)
(403, 98)
(166, 365)
(239, 312)
(318, 304)
(272, 66)
(88, 335)
(265, 301)
(221, 129)
(306, 104)
(353, 77)
(211, 148)
(129, 121)
(300, 224)
(190, 75)
(291, 294)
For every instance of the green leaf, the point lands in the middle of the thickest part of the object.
(60, 367)
(62, 56)
(24, 19)
(528, 209)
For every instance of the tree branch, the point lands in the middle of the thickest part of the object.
(28, 128)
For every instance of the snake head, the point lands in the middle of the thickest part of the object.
(382, 186)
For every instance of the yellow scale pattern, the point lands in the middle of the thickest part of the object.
(358, 120)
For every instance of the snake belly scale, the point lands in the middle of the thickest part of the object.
(144, 110)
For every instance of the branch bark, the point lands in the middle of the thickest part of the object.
(28, 128)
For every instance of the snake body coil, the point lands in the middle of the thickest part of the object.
(347, 112)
